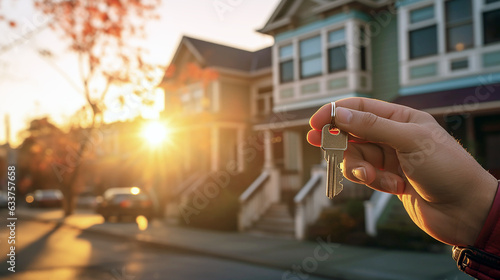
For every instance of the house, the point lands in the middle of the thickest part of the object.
(439, 56)
(212, 94)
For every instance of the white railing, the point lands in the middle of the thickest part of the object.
(310, 201)
(373, 209)
(257, 198)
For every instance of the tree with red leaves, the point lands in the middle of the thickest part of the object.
(106, 36)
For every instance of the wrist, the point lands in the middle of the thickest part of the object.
(478, 205)
(483, 259)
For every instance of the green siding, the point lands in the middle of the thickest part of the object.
(385, 67)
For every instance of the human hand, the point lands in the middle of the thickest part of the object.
(403, 151)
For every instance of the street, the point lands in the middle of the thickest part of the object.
(51, 251)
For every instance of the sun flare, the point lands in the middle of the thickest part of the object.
(155, 132)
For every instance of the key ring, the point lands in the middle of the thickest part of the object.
(332, 122)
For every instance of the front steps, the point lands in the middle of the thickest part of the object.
(275, 222)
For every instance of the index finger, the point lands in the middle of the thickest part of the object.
(380, 108)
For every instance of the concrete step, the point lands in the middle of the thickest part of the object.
(276, 221)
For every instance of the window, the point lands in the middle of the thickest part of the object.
(310, 57)
(423, 32)
(422, 14)
(193, 100)
(363, 38)
(264, 100)
(491, 22)
(458, 25)
(337, 60)
(423, 42)
(286, 63)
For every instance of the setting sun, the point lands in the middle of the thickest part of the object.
(155, 132)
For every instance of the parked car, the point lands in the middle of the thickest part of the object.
(86, 200)
(45, 198)
(125, 202)
(3, 200)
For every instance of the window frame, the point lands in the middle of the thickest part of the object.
(448, 26)
(311, 57)
(263, 93)
(415, 26)
(336, 44)
(284, 60)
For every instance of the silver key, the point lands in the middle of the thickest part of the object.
(333, 146)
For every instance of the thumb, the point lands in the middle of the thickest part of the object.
(372, 128)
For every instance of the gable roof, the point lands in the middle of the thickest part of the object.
(286, 11)
(211, 54)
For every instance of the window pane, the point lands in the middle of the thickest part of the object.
(336, 36)
(286, 71)
(311, 46)
(422, 14)
(458, 10)
(310, 67)
(460, 37)
(459, 64)
(491, 21)
(337, 59)
(423, 42)
(362, 57)
(286, 51)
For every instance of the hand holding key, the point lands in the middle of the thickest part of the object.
(403, 151)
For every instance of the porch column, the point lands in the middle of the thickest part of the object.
(268, 150)
(239, 153)
(214, 148)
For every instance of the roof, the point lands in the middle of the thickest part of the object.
(285, 13)
(216, 55)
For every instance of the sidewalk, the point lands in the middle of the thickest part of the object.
(320, 258)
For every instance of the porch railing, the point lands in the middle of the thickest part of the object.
(310, 201)
(257, 198)
(373, 210)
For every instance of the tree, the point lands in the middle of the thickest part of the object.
(106, 36)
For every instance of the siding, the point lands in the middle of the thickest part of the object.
(385, 61)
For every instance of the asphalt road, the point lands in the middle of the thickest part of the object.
(49, 251)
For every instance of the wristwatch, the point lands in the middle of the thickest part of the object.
(477, 262)
(483, 259)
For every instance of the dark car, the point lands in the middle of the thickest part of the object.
(125, 202)
(45, 198)
(4, 199)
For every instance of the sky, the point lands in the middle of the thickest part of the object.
(34, 86)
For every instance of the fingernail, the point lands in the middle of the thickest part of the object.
(359, 173)
(343, 115)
